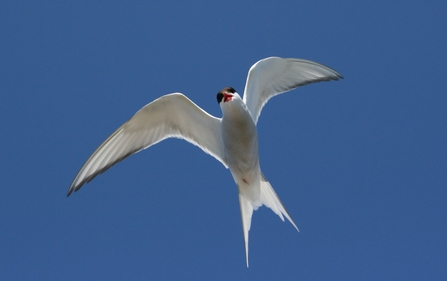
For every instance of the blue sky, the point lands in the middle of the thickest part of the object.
(360, 164)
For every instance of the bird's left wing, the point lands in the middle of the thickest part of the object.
(172, 115)
(272, 76)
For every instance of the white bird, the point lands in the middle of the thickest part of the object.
(232, 139)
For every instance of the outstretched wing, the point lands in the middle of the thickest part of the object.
(172, 115)
(272, 76)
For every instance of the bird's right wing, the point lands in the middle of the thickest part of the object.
(172, 115)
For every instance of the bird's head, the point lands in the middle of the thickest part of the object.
(227, 94)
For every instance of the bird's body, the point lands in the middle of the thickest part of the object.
(240, 140)
(232, 139)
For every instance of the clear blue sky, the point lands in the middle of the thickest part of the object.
(360, 163)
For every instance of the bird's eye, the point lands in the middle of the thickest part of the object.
(220, 97)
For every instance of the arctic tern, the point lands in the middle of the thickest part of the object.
(232, 139)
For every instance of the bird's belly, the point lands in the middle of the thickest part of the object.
(242, 157)
(241, 150)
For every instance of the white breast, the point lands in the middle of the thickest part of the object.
(240, 140)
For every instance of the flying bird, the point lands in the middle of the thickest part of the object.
(232, 139)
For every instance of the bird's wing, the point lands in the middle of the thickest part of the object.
(272, 76)
(172, 115)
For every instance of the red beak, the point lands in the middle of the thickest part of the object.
(227, 97)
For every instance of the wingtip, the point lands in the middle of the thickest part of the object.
(336, 76)
(70, 190)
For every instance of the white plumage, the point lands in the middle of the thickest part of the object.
(231, 139)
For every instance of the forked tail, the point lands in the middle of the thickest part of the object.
(268, 198)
